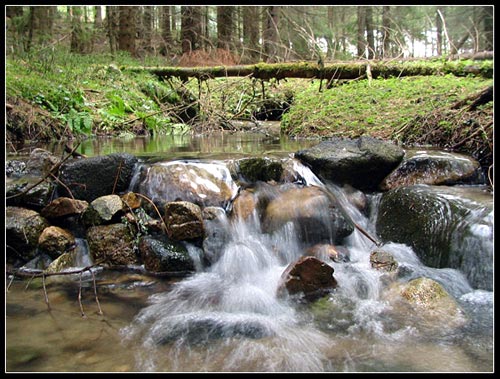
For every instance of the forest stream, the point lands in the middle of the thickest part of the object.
(227, 317)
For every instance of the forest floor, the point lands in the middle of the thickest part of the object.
(65, 96)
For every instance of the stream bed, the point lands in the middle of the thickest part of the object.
(227, 317)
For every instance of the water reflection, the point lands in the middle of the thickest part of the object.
(217, 145)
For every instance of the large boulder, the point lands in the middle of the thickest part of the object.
(201, 183)
(90, 178)
(263, 169)
(446, 227)
(362, 162)
(433, 167)
(311, 211)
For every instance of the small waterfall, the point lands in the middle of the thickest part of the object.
(227, 317)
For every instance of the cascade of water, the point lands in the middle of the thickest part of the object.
(227, 317)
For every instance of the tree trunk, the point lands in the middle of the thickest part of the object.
(190, 28)
(97, 17)
(224, 27)
(488, 28)
(113, 27)
(126, 37)
(40, 25)
(77, 44)
(439, 33)
(337, 71)
(270, 34)
(386, 32)
(166, 31)
(251, 32)
(361, 42)
(369, 33)
(147, 29)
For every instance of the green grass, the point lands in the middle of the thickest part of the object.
(90, 95)
(376, 107)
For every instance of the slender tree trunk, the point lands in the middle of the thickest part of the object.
(97, 17)
(126, 37)
(40, 25)
(386, 31)
(224, 27)
(251, 32)
(77, 44)
(190, 28)
(369, 33)
(488, 28)
(113, 27)
(147, 29)
(439, 33)
(270, 34)
(361, 41)
(166, 31)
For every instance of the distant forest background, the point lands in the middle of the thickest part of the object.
(227, 35)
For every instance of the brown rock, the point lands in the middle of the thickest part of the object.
(244, 205)
(55, 240)
(64, 206)
(308, 276)
(183, 220)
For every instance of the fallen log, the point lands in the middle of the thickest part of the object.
(332, 71)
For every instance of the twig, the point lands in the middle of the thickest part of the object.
(117, 176)
(45, 292)
(80, 297)
(154, 206)
(95, 293)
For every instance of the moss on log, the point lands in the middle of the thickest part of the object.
(332, 71)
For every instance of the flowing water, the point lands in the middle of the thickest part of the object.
(228, 318)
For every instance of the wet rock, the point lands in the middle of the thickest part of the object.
(90, 178)
(131, 200)
(308, 277)
(64, 206)
(216, 234)
(41, 162)
(312, 212)
(204, 184)
(56, 241)
(103, 210)
(244, 205)
(382, 260)
(18, 192)
(263, 169)
(22, 231)
(15, 169)
(432, 302)
(165, 256)
(113, 244)
(446, 227)
(183, 220)
(202, 328)
(61, 263)
(362, 162)
(325, 252)
(433, 167)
